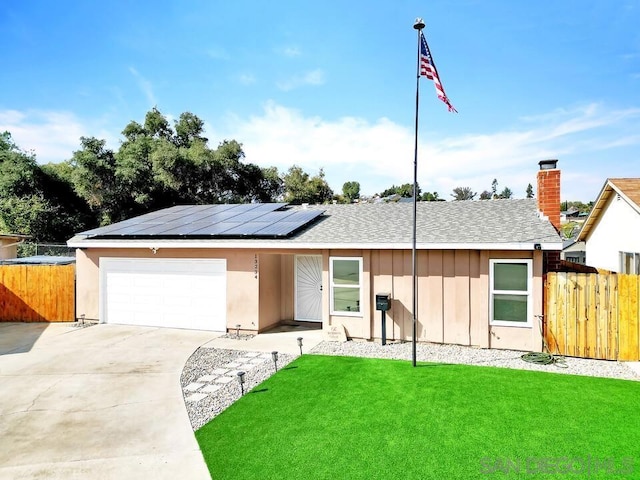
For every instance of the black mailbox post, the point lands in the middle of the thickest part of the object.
(383, 303)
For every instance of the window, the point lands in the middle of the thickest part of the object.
(510, 287)
(346, 285)
(630, 263)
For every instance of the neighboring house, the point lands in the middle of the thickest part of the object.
(9, 245)
(39, 260)
(480, 267)
(611, 232)
(573, 251)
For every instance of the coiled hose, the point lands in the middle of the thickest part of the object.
(543, 358)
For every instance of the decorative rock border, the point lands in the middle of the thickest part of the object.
(209, 378)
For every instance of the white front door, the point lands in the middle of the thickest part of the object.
(308, 288)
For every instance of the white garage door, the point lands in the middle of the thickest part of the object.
(177, 293)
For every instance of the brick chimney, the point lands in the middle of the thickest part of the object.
(549, 191)
(549, 205)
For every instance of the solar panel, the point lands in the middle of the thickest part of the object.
(216, 229)
(289, 225)
(224, 220)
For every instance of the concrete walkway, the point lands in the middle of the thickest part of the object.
(101, 402)
(282, 339)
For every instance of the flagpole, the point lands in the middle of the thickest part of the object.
(418, 25)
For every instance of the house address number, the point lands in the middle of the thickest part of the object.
(255, 266)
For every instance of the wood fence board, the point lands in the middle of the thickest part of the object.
(593, 315)
(550, 317)
(591, 344)
(580, 347)
(561, 313)
(602, 316)
(612, 327)
(37, 293)
(572, 315)
(627, 317)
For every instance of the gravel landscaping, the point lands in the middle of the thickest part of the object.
(205, 367)
(211, 372)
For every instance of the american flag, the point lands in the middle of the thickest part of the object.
(428, 69)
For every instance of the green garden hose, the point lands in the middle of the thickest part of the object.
(542, 358)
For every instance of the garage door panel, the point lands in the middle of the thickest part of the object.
(178, 293)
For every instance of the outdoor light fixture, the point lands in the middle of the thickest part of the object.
(241, 380)
(300, 344)
(238, 330)
(274, 356)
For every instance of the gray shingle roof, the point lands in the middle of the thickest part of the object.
(486, 221)
(481, 223)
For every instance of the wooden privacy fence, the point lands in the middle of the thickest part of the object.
(37, 293)
(593, 315)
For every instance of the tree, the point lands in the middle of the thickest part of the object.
(494, 188)
(405, 190)
(157, 167)
(189, 129)
(93, 178)
(156, 125)
(463, 193)
(431, 197)
(529, 191)
(36, 201)
(506, 193)
(351, 191)
(299, 187)
(486, 195)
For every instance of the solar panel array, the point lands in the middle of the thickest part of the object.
(204, 221)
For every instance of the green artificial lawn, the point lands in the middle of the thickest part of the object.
(343, 417)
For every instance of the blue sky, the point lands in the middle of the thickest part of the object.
(332, 84)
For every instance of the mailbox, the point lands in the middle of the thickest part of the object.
(383, 301)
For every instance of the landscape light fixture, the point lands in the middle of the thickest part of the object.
(238, 330)
(274, 356)
(300, 344)
(241, 380)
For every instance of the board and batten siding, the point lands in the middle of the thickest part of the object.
(453, 298)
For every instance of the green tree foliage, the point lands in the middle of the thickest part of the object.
(580, 206)
(494, 188)
(158, 166)
(431, 197)
(299, 187)
(505, 193)
(93, 178)
(405, 190)
(529, 191)
(351, 191)
(463, 193)
(493, 194)
(36, 201)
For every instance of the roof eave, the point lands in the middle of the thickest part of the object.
(284, 244)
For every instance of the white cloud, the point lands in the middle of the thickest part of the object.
(314, 77)
(380, 153)
(145, 85)
(591, 142)
(217, 53)
(246, 79)
(291, 51)
(51, 135)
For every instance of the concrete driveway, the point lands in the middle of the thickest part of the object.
(98, 402)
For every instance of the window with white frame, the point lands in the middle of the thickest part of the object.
(346, 285)
(630, 263)
(511, 293)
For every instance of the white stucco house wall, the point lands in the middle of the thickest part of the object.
(612, 230)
